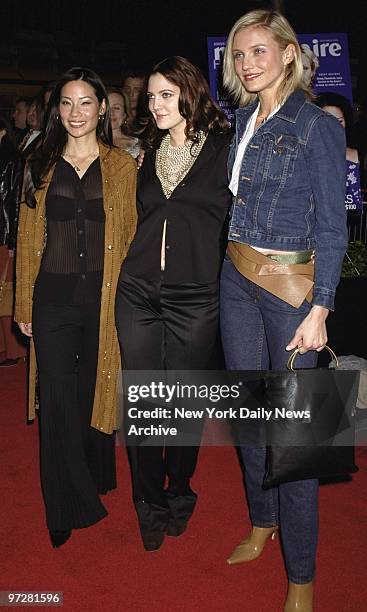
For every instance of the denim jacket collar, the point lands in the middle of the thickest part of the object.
(289, 111)
(292, 106)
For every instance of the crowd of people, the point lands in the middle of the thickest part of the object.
(135, 250)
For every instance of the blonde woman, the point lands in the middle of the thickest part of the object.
(120, 117)
(310, 63)
(287, 170)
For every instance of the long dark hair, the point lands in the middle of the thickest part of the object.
(195, 103)
(55, 136)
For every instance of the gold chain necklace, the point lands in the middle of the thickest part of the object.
(173, 163)
(75, 166)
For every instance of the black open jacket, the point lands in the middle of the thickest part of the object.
(11, 169)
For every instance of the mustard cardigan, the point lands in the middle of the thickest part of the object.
(119, 201)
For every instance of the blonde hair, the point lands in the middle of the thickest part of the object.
(313, 59)
(125, 99)
(283, 34)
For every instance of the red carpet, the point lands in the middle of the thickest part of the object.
(104, 568)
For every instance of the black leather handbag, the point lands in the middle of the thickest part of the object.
(311, 431)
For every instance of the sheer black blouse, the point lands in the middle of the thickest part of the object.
(72, 264)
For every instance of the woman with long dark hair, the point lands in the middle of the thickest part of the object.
(167, 299)
(74, 230)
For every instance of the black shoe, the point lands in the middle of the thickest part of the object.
(175, 529)
(181, 509)
(152, 541)
(58, 538)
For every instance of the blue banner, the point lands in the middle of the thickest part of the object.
(353, 195)
(330, 55)
(216, 46)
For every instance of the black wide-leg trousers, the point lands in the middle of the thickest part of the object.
(165, 327)
(77, 461)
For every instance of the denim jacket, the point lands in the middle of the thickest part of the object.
(291, 188)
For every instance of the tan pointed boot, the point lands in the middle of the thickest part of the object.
(299, 597)
(252, 547)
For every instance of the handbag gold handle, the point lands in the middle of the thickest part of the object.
(292, 358)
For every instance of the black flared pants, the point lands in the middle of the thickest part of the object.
(77, 461)
(165, 327)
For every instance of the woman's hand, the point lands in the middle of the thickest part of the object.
(140, 158)
(311, 334)
(26, 328)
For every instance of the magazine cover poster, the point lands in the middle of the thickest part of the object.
(326, 62)
(216, 47)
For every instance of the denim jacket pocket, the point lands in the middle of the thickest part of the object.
(281, 153)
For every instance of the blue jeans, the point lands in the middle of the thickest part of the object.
(256, 327)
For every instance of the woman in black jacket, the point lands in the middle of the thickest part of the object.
(167, 299)
(10, 179)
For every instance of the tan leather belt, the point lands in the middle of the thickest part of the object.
(292, 283)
